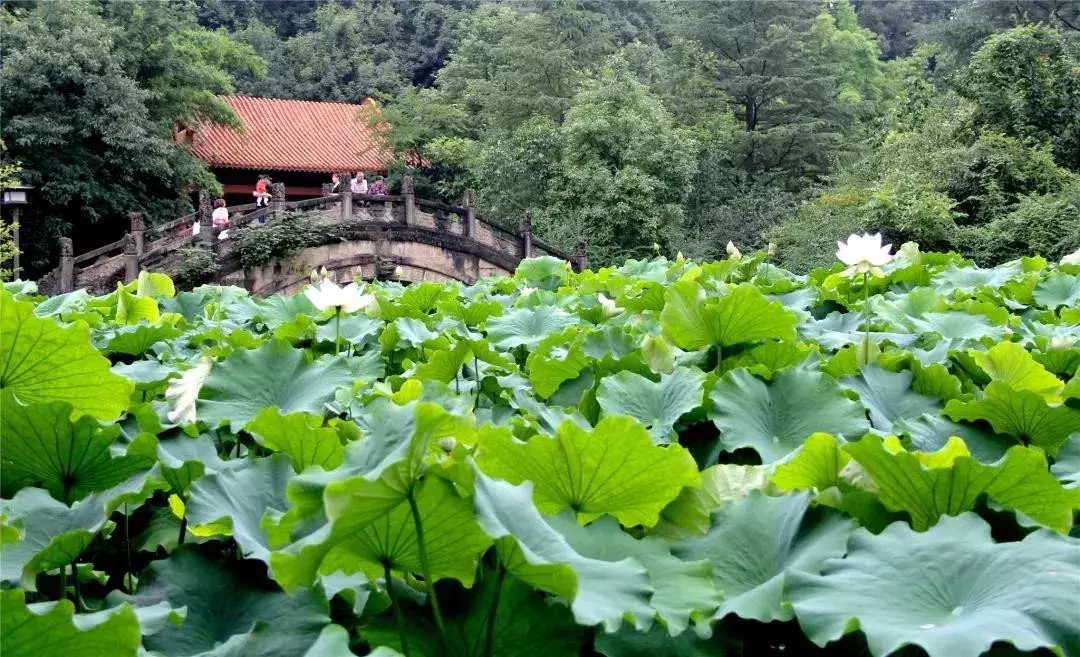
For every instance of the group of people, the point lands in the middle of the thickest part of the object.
(359, 185)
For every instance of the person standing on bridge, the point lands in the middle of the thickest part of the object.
(378, 188)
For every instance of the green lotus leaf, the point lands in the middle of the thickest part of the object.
(246, 382)
(775, 418)
(356, 329)
(658, 406)
(816, 466)
(755, 544)
(137, 340)
(887, 396)
(134, 309)
(1067, 465)
(545, 272)
(599, 592)
(443, 365)
(557, 359)
(690, 513)
(949, 482)
(276, 310)
(524, 625)
(967, 279)
(184, 459)
(1058, 289)
(147, 374)
(228, 614)
(452, 540)
(1010, 364)
(52, 534)
(151, 284)
(1020, 413)
(234, 501)
(299, 436)
(54, 629)
(42, 362)
(950, 590)
(959, 329)
(931, 432)
(63, 306)
(655, 643)
(692, 321)
(42, 447)
(526, 326)
(684, 590)
(614, 469)
(838, 330)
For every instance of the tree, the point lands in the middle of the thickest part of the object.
(782, 89)
(9, 177)
(898, 22)
(88, 107)
(624, 173)
(1026, 83)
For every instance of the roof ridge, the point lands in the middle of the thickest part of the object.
(226, 97)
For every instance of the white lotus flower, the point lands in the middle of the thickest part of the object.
(526, 290)
(732, 252)
(1072, 259)
(184, 391)
(329, 294)
(1062, 341)
(864, 254)
(609, 307)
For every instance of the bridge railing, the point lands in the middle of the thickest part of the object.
(127, 255)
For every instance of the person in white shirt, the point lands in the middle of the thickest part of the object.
(220, 218)
(359, 184)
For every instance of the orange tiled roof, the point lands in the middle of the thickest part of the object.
(292, 135)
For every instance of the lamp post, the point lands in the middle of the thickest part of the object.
(15, 196)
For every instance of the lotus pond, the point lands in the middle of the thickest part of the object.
(668, 459)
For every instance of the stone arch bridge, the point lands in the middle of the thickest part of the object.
(398, 237)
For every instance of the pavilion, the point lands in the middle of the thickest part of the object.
(298, 142)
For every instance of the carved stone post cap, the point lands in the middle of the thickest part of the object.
(407, 185)
(467, 198)
(136, 220)
(579, 249)
(526, 224)
(129, 244)
(66, 248)
(277, 191)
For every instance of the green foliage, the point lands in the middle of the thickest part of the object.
(697, 453)
(281, 238)
(198, 267)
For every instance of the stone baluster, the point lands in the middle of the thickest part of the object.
(326, 191)
(205, 214)
(131, 258)
(277, 200)
(579, 259)
(526, 237)
(137, 231)
(470, 214)
(67, 266)
(345, 184)
(410, 200)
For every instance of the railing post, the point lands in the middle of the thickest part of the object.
(579, 259)
(131, 258)
(345, 183)
(326, 191)
(137, 232)
(410, 200)
(205, 215)
(526, 237)
(470, 214)
(277, 200)
(67, 266)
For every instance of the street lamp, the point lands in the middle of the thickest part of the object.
(15, 196)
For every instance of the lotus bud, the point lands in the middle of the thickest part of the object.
(679, 257)
(732, 252)
(447, 444)
(771, 250)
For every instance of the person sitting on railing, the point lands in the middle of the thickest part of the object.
(262, 196)
(360, 186)
(220, 218)
(379, 188)
(335, 184)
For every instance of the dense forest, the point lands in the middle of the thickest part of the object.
(640, 126)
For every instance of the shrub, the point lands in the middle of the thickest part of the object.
(261, 243)
(197, 268)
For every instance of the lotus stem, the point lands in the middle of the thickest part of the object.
(866, 317)
(78, 587)
(425, 568)
(489, 645)
(127, 547)
(337, 332)
(183, 529)
(399, 618)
